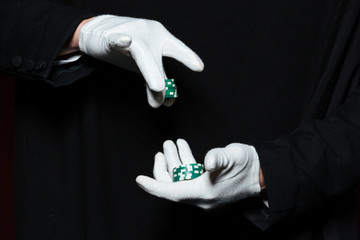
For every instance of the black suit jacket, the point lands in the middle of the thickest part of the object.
(270, 70)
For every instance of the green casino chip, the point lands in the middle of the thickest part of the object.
(170, 89)
(187, 171)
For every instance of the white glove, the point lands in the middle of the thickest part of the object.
(113, 39)
(232, 174)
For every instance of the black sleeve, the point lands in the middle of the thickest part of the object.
(314, 169)
(32, 34)
(318, 161)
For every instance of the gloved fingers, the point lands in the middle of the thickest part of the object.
(178, 191)
(156, 188)
(154, 75)
(185, 153)
(160, 170)
(171, 155)
(176, 49)
(118, 41)
(215, 160)
(168, 102)
(155, 99)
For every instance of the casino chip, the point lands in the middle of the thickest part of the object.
(187, 171)
(170, 89)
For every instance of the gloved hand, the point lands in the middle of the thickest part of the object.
(113, 39)
(232, 174)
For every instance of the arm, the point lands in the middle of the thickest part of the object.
(33, 34)
(316, 162)
(72, 46)
(49, 32)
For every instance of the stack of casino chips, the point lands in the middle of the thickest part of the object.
(187, 171)
(170, 88)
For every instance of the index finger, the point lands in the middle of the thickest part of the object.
(171, 156)
(176, 49)
(185, 153)
(154, 77)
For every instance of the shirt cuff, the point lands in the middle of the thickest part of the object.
(70, 59)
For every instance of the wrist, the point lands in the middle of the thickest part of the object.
(261, 180)
(72, 46)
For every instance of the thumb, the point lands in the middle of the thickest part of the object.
(118, 41)
(215, 159)
(176, 49)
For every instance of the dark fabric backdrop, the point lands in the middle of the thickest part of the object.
(7, 227)
(218, 64)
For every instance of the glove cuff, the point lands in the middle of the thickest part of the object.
(88, 38)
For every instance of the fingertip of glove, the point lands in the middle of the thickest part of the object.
(141, 181)
(199, 67)
(155, 99)
(210, 165)
(181, 142)
(159, 157)
(169, 102)
(210, 161)
(138, 180)
(154, 104)
(194, 63)
(168, 143)
(159, 154)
